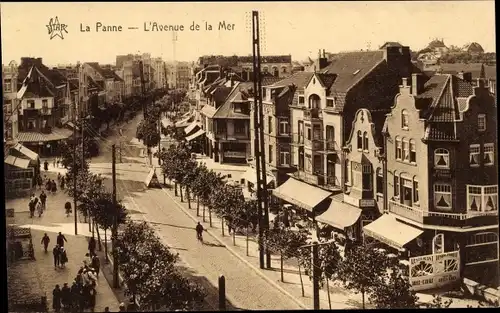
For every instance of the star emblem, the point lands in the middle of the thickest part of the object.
(55, 28)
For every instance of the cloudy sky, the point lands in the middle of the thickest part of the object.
(299, 29)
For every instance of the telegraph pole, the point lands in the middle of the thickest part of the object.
(83, 161)
(259, 154)
(115, 221)
(316, 274)
(75, 171)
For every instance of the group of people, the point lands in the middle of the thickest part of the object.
(57, 162)
(38, 204)
(59, 252)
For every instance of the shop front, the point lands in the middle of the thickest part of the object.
(45, 145)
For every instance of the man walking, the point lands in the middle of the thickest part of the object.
(92, 245)
(66, 296)
(61, 239)
(96, 264)
(56, 299)
(43, 200)
(32, 208)
(45, 242)
(56, 252)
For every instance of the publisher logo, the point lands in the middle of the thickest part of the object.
(56, 29)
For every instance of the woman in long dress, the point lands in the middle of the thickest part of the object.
(39, 208)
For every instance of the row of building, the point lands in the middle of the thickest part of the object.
(369, 146)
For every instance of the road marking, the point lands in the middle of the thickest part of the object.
(258, 271)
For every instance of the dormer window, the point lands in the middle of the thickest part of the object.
(237, 107)
(329, 103)
(301, 100)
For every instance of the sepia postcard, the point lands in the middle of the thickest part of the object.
(220, 156)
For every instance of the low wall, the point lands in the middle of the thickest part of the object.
(490, 295)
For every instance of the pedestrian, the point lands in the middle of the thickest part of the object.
(46, 165)
(75, 297)
(61, 239)
(32, 208)
(63, 256)
(92, 245)
(67, 207)
(96, 264)
(48, 185)
(39, 208)
(43, 199)
(106, 309)
(91, 300)
(59, 177)
(56, 299)
(63, 182)
(45, 242)
(32, 198)
(54, 163)
(56, 252)
(53, 187)
(39, 181)
(66, 296)
(122, 307)
(57, 162)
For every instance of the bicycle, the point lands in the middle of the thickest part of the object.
(199, 236)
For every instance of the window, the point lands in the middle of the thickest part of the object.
(264, 93)
(329, 103)
(284, 127)
(270, 153)
(380, 181)
(441, 158)
(482, 198)
(285, 156)
(365, 141)
(398, 149)
(31, 104)
(357, 175)
(415, 191)
(283, 69)
(442, 196)
(301, 100)
(474, 155)
(221, 127)
(7, 106)
(360, 140)
(413, 151)
(481, 122)
(270, 124)
(367, 178)
(239, 127)
(31, 124)
(308, 133)
(406, 150)
(266, 70)
(489, 154)
(396, 185)
(7, 85)
(45, 103)
(404, 119)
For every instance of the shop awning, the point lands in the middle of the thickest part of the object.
(56, 134)
(301, 194)
(195, 135)
(182, 122)
(251, 176)
(390, 231)
(340, 215)
(17, 162)
(25, 151)
(192, 127)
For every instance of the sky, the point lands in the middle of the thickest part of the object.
(296, 28)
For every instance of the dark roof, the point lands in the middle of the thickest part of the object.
(475, 68)
(390, 44)
(98, 69)
(267, 59)
(438, 101)
(269, 80)
(92, 84)
(226, 110)
(436, 44)
(473, 47)
(299, 79)
(327, 80)
(350, 68)
(36, 85)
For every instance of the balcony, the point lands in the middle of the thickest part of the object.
(311, 114)
(442, 218)
(314, 144)
(329, 182)
(329, 146)
(297, 139)
(306, 177)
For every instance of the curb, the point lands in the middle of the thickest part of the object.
(256, 270)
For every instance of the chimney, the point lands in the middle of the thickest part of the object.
(324, 53)
(417, 84)
(232, 81)
(467, 76)
(322, 61)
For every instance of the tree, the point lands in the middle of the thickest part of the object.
(439, 303)
(199, 184)
(393, 290)
(149, 271)
(223, 200)
(148, 132)
(361, 269)
(246, 216)
(175, 163)
(67, 150)
(285, 242)
(191, 171)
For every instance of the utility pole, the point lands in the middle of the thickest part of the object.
(83, 161)
(75, 171)
(115, 221)
(316, 275)
(259, 154)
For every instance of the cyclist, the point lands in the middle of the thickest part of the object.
(199, 231)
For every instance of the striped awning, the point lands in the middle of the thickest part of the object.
(17, 162)
(56, 134)
(195, 135)
(389, 230)
(192, 127)
(25, 151)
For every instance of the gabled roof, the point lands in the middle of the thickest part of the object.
(35, 84)
(299, 79)
(326, 79)
(226, 110)
(436, 43)
(474, 47)
(390, 44)
(351, 67)
(96, 67)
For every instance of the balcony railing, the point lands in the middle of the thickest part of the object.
(310, 114)
(315, 144)
(418, 215)
(329, 146)
(306, 177)
(329, 182)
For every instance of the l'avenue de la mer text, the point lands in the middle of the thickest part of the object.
(158, 27)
